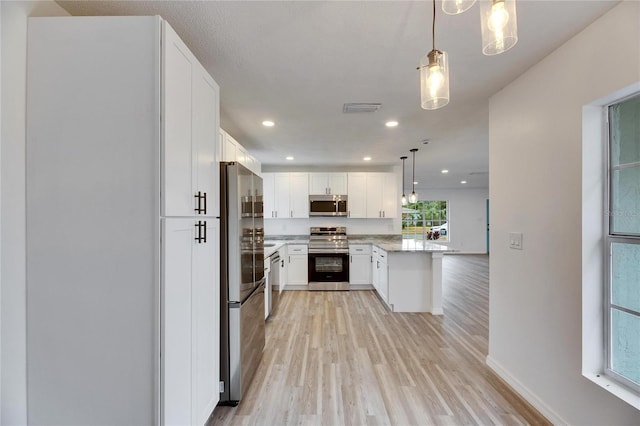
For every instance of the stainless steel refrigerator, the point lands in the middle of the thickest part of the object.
(242, 279)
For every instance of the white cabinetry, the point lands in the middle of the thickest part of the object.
(284, 267)
(234, 151)
(299, 194)
(190, 111)
(359, 264)
(357, 193)
(380, 272)
(372, 195)
(297, 273)
(286, 195)
(327, 183)
(229, 147)
(121, 294)
(190, 360)
(381, 195)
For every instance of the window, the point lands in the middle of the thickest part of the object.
(426, 220)
(622, 244)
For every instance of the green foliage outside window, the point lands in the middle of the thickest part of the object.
(427, 220)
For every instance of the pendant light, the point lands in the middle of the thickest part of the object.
(434, 74)
(499, 25)
(404, 197)
(413, 197)
(454, 7)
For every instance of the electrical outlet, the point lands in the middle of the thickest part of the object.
(515, 240)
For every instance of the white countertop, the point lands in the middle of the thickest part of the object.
(395, 245)
(410, 245)
(270, 249)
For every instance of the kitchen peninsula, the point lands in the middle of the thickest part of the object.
(406, 273)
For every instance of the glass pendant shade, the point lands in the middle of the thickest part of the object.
(434, 80)
(413, 197)
(454, 7)
(404, 200)
(499, 25)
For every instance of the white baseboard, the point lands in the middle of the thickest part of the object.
(526, 393)
(361, 287)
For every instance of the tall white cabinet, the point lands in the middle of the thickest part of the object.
(122, 225)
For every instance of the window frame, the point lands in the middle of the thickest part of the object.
(423, 220)
(609, 239)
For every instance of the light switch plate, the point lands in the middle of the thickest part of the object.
(515, 240)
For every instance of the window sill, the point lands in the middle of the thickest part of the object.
(615, 388)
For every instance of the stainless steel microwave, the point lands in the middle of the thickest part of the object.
(327, 205)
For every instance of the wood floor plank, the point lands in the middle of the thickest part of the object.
(341, 358)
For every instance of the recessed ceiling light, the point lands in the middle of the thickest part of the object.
(268, 123)
(445, 171)
(290, 158)
(391, 123)
(367, 158)
(415, 183)
(463, 182)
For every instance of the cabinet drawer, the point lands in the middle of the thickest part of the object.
(297, 249)
(382, 254)
(359, 248)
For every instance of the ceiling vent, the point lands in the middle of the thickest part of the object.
(351, 108)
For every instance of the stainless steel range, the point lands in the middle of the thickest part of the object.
(328, 258)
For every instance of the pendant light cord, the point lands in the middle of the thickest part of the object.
(413, 176)
(433, 26)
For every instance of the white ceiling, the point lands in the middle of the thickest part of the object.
(297, 62)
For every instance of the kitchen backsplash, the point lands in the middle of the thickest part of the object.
(354, 226)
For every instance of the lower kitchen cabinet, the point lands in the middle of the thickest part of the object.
(284, 267)
(190, 312)
(298, 265)
(380, 273)
(360, 264)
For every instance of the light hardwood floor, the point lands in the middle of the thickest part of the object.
(340, 358)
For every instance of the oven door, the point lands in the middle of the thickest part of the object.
(329, 267)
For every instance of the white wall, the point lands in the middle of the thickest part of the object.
(535, 188)
(14, 53)
(467, 216)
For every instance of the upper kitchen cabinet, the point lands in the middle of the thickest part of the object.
(327, 183)
(234, 151)
(121, 312)
(286, 195)
(357, 195)
(372, 195)
(190, 99)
